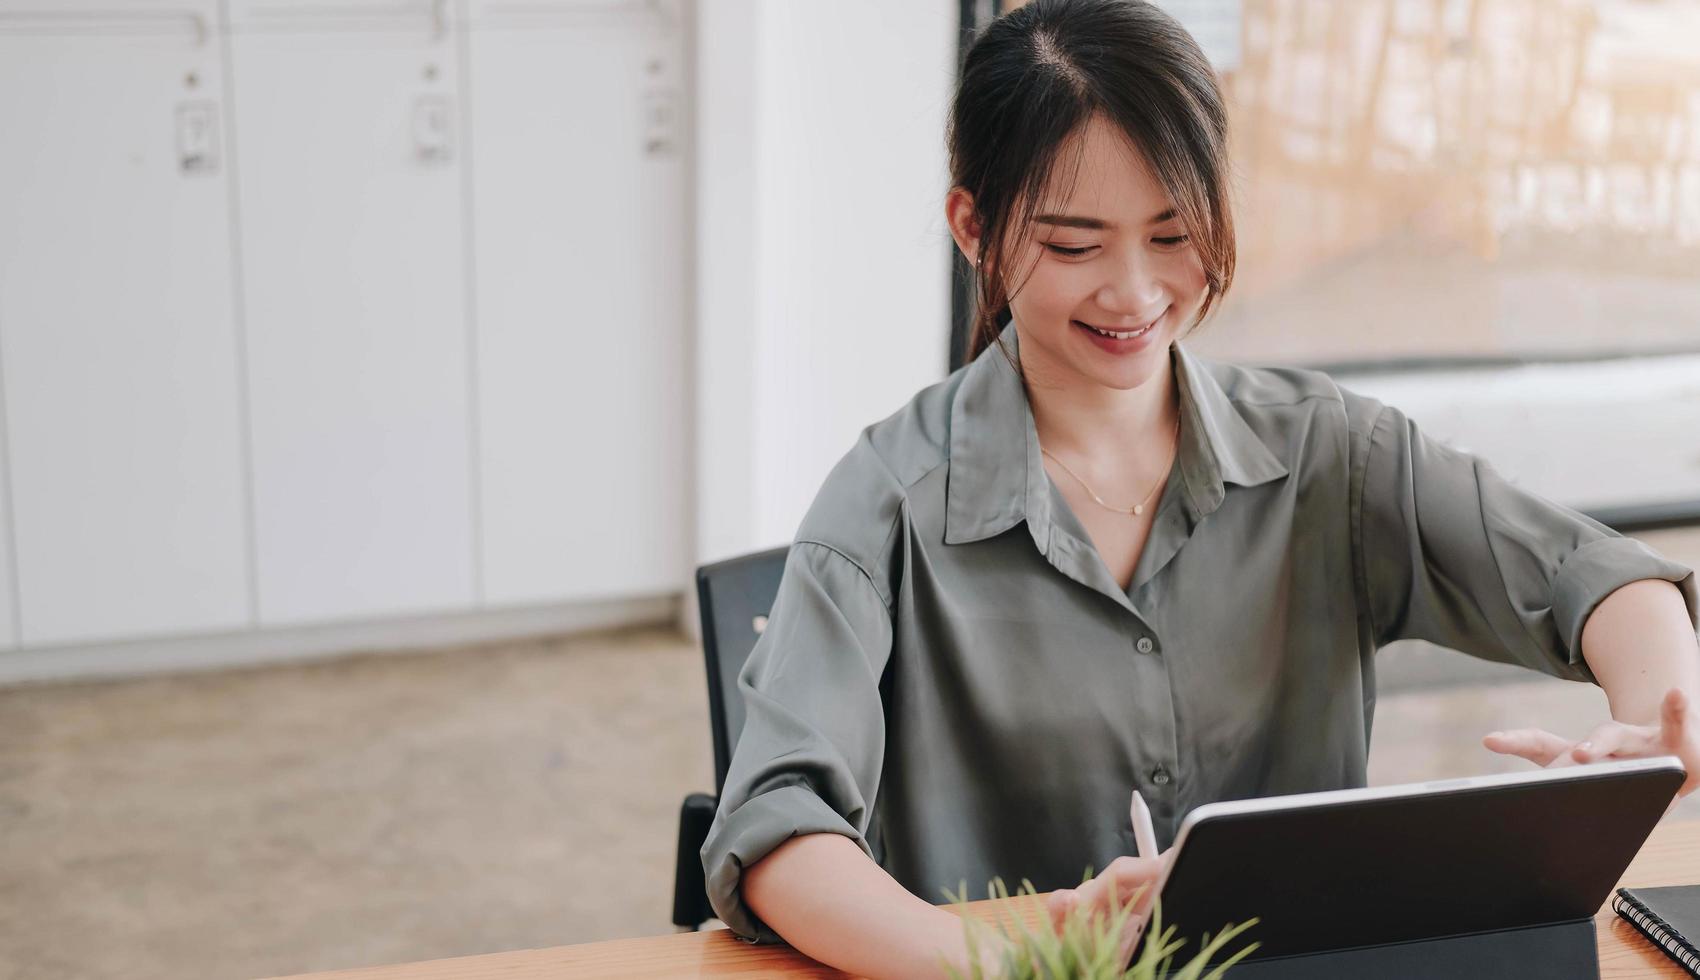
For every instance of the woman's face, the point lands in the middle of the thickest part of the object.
(1104, 253)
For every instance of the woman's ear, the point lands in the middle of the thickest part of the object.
(964, 225)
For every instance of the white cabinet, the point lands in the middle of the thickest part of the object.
(350, 150)
(117, 340)
(580, 229)
(316, 312)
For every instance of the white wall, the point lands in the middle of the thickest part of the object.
(823, 254)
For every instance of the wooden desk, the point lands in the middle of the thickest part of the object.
(1670, 857)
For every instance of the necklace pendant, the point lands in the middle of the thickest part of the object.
(1138, 509)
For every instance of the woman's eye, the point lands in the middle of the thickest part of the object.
(1172, 241)
(1065, 250)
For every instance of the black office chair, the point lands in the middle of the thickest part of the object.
(734, 598)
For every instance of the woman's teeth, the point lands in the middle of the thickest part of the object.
(1121, 334)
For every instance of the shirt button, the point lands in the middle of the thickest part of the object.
(1160, 776)
(1144, 645)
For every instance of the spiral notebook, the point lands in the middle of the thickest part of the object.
(1669, 916)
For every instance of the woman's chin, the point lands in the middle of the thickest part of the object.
(1126, 373)
(1090, 364)
(1126, 381)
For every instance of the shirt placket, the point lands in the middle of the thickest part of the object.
(1155, 739)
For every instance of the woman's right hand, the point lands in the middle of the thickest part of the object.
(1127, 880)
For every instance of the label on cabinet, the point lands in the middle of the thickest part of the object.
(197, 138)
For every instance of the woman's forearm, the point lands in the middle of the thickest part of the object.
(1640, 643)
(830, 901)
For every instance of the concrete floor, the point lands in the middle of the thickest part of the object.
(372, 810)
(383, 809)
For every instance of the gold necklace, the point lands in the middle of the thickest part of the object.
(1137, 509)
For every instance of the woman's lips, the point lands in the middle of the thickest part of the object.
(1142, 339)
(1117, 334)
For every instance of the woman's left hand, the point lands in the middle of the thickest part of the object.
(1675, 734)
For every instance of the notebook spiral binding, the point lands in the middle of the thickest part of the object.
(1675, 945)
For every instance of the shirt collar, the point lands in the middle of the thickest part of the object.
(996, 477)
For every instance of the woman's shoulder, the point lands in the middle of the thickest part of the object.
(1303, 416)
(1276, 393)
(859, 505)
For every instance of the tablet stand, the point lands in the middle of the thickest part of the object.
(1560, 951)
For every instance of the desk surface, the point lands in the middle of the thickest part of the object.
(1670, 857)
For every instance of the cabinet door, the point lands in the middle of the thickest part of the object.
(580, 226)
(348, 133)
(117, 333)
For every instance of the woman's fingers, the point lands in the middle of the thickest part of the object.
(1673, 720)
(1609, 739)
(1059, 904)
(1126, 880)
(1129, 873)
(1674, 734)
(1535, 744)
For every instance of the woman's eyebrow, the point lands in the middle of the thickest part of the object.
(1095, 224)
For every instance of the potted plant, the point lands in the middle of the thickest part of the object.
(1091, 947)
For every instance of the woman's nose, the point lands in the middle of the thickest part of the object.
(1133, 292)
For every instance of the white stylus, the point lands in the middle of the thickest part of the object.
(1144, 835)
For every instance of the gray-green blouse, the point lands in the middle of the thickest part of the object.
(951, 677)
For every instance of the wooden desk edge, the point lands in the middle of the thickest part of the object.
(1671, 856)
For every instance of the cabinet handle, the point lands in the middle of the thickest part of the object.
(275, 16)
(543, 13)
(93, 21)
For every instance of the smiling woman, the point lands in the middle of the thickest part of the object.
(1091, 562)
(1098, 217)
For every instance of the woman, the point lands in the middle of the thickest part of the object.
(1090, 562)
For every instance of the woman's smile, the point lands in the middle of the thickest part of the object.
(1119, 341)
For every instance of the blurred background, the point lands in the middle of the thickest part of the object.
(375, 375)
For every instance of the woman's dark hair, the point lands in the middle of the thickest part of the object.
(1034, 77)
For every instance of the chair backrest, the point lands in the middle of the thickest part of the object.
(733, 598)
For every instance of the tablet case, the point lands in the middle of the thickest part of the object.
(1562, 951)
(1471, 881)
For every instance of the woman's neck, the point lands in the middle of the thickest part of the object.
(1105, 424)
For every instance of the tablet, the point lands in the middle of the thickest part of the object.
(1369, 867)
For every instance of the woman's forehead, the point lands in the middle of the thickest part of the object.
(1100, 173)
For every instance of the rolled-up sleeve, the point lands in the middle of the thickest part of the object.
(813, 743)
(1451, 552)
